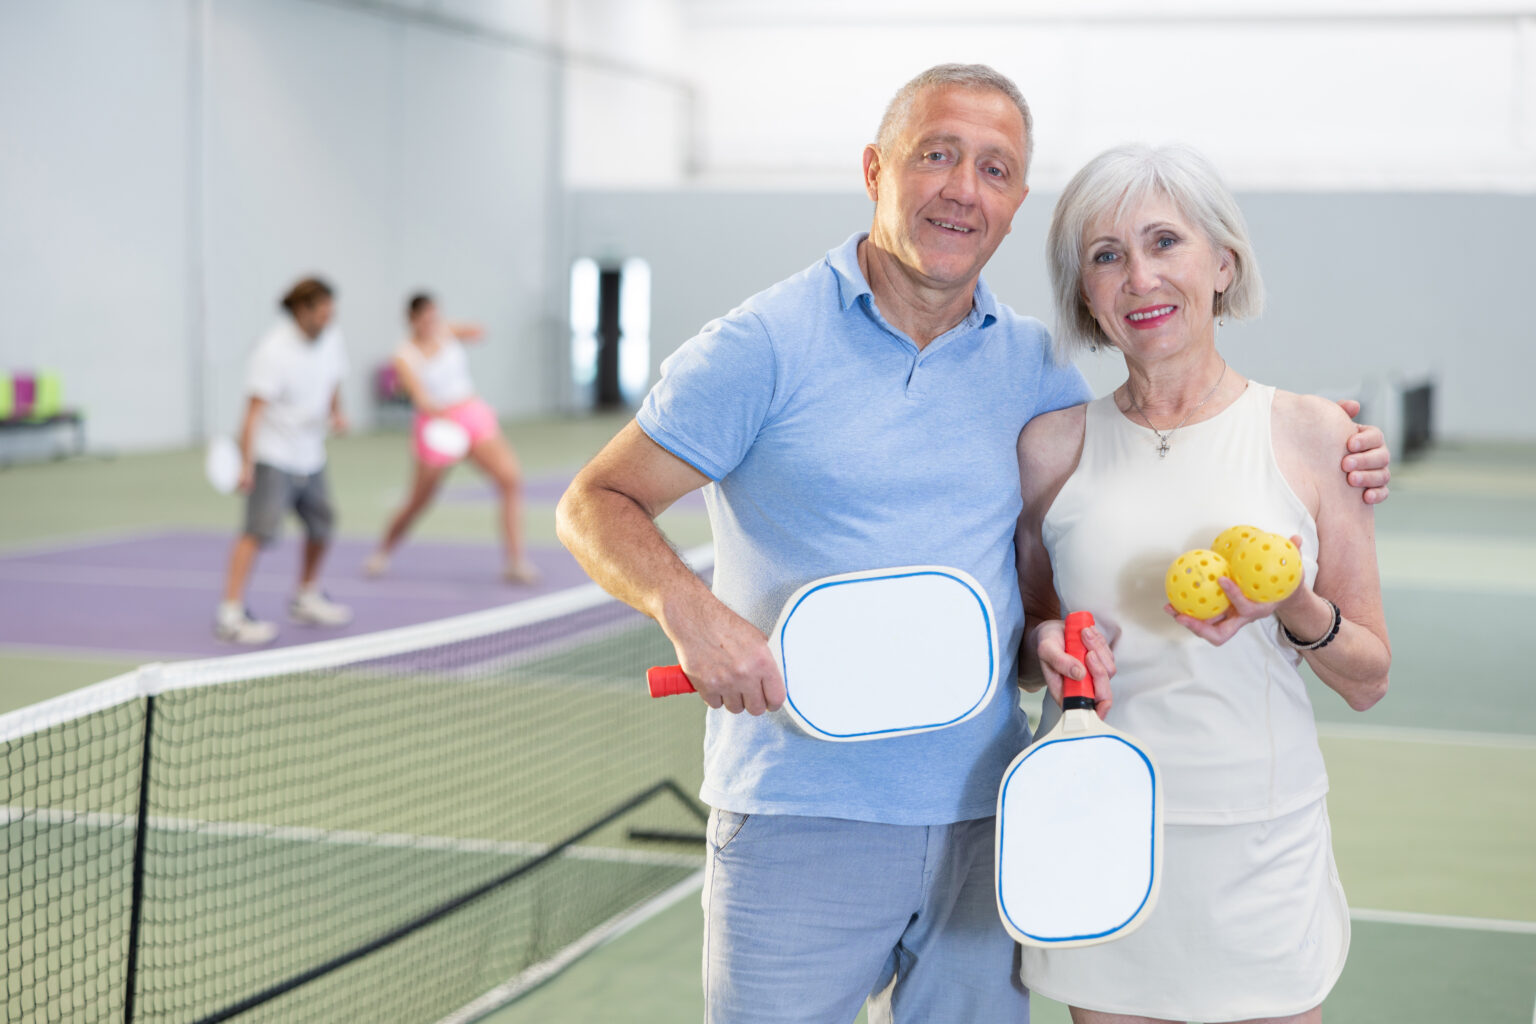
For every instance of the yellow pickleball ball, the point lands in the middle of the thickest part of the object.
(1191, 584)
(1227, 541)
(1267, 566)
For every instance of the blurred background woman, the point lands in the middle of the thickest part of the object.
(433, 367)
(1148, 251)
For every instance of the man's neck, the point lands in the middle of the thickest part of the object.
(910, 304)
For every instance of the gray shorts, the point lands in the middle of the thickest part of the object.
(274, 492)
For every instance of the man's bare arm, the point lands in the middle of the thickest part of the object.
(253, 410)
(607, 520)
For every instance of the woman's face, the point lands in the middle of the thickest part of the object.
(1150, 278)
(424, 321)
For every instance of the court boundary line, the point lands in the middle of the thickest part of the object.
(1413, 734)
(1455, 922)
(537, 974)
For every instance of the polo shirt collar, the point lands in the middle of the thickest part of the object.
(851, 285)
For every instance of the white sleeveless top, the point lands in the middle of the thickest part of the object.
(1231, 727)
(445, 376)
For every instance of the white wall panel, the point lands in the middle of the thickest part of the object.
(473, 210)
(93, 231)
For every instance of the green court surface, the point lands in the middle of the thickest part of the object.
(1433, 797)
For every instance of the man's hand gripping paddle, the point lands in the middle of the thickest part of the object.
(871, 655)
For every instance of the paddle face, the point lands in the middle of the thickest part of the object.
(1079, 835)
(445, 438)
(884, 653)
(221, 465)
(871, 655)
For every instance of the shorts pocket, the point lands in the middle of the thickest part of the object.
(725, 826)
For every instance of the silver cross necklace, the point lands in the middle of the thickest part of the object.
(1162, 438)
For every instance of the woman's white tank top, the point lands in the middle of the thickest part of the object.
(444, 376)
(1231, 727)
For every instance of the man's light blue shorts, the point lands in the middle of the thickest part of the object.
(806, 918)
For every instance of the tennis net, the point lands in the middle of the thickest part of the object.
(410, 826)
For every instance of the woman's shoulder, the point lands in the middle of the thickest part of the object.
(1309, 421)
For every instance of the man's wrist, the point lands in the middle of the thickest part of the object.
(680, 609)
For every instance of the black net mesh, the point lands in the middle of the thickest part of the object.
(381, 840)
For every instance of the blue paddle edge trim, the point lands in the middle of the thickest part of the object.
(986, 618)
(1151, 844)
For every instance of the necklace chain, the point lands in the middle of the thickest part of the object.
(1162, 438)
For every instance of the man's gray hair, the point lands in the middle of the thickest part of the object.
(1114, 182)
(965, 76)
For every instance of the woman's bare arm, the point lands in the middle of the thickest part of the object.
(406, 374)
(1049, 448)
(1309, 433)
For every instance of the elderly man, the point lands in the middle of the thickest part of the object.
(861, 414)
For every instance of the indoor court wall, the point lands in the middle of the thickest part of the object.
(1364, 288)
(170, 168)
(93, 218)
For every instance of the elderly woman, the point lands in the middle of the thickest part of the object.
(1148, 253)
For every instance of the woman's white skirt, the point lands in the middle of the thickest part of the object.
(1251, 922)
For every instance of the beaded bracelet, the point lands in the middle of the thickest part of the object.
(1316, 645)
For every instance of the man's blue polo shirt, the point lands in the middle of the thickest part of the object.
(836, 445)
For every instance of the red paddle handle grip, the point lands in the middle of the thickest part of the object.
(668, 681)
(1076, 623)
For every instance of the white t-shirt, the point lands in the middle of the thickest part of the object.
(444, 375)
(296, 376)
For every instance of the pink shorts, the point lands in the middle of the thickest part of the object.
(477, 419)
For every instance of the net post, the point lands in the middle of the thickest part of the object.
(141, 829)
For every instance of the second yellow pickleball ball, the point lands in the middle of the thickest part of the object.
(1191, 584)
(1227, 541)
(1267, 566)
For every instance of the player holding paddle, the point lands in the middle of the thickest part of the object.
(451, 422)
(293, 401)
(860, 415)
(1147, 251)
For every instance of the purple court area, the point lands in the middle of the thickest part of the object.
(153, 594)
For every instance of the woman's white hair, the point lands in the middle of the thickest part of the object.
(1117, 180)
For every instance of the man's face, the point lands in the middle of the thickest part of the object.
(314, 318)
(946, 192)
